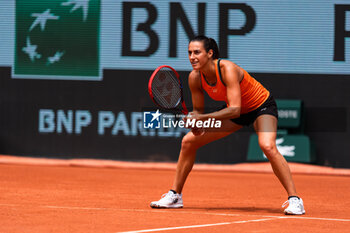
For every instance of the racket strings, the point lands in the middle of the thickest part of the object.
(166, 88)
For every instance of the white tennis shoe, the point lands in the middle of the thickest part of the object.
(169, 200)
(295, 207)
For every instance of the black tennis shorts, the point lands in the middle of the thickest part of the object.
(268, 107)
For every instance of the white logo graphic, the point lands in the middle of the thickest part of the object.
(156, 115)
(287, 151)
(151, 120)
(31, 50)
(78, 4)
(57, 40)
(42, 18)
(55, 58)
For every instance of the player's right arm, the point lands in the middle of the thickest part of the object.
(194, 82)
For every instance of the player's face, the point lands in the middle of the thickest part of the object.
(197, 55)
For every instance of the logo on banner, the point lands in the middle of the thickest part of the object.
(285, 150)
(57, 39)
(151, 120)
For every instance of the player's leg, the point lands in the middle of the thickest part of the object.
(189, 146)
(266, 129)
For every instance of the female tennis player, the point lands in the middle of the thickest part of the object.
(248, 102)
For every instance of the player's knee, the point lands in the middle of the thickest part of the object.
(268, 147)
(188, 143)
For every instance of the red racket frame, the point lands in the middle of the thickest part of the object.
(184, 108)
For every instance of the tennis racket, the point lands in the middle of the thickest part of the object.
(166, 90)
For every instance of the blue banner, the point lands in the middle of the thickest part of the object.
(263, 36)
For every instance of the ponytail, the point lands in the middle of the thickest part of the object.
(209, 44)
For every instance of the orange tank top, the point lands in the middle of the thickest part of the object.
(253, 94)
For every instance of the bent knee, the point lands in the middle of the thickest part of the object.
(188, 143)
(268, 147)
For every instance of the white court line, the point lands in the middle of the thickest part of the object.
(14, 205)
(238, 215)
(315, 218)
(182, 212)
(199, 226)
(74, 208)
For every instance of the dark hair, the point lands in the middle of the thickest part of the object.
(208, 43)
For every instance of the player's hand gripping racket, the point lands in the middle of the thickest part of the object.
(165, 89)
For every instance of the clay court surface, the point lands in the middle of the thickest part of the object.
(41, 198)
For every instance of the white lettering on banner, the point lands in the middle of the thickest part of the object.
(121, 124)
(105, 120)
(288, 114)
(82, 119)
(49, 121)
(136, 124)
(46, 121)
(108, 123)
(64, 120)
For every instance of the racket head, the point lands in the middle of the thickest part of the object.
(165, 89)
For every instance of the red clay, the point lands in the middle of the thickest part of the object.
(263, 167)
(44, 198)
